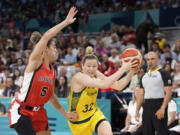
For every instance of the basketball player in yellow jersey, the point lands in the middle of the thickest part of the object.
(84, 90)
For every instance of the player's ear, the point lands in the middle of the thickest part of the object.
(82, 65)
(98, 64)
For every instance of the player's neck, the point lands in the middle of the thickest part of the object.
(46, 62)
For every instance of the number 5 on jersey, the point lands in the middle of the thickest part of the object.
(44, 91)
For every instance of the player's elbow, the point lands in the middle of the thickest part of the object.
(46, 36)
(119, 88)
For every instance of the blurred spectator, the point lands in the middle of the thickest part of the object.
(119, 110)
(17, 77)
(75, 49)
(160, 40)
(80, 55)
(70, 58)
(176, 79)
(11, 88)
(136, 78)
(172, 113)
(167, 67)
(2, 67)
(81, 36)
(114, 44)
(176, 49)
(100, 49)
(117, 65)
(106, 69)
(2, 110)
(115, 28)
(105, 59)
(123, 31)
(130, 37)
(132, 126)
(87, 43)
(142, 32)
(105, 38)
(62, 89)
(62, 42)
(167, 55)
(176, 129)
(4, 75)
(61, 56)
(72, 42)
(154, 47)
(18, 65)
(114, 55)
(63, 72)
(71, 35)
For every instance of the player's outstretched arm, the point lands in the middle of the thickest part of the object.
(122, 83)
(72, 116)
(41, 45)
(106, 82)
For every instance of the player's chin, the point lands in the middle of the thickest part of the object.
(53, 58)
(92, 75)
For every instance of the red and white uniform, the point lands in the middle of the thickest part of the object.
(36, 89)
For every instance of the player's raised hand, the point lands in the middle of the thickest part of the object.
(70, 17)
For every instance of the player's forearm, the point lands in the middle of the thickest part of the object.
(55, 103)
(121, 84)
(54, 30)
(51, 33)
(111, 79)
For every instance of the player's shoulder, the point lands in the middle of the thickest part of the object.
(78, 76)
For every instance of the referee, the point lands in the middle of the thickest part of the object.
(156, 91)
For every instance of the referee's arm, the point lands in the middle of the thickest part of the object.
(168, 93)
(167, 98)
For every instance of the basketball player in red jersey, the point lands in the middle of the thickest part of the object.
(26, 113)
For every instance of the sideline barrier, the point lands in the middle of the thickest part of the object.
(58, 124)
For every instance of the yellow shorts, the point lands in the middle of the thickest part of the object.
(86, 128)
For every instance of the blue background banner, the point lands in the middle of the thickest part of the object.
(170, 17)
(58, 124)
(97, 22)
(163, 18)
(141, 16)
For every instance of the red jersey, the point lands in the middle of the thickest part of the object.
(39, 87)
(36, 89)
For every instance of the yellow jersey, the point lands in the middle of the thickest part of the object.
(84, 103)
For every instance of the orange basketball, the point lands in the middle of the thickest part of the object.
(132, 54)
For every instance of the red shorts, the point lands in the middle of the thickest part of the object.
(39, 118)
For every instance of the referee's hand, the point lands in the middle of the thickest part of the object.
(160, 113)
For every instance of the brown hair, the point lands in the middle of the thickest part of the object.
(35, 37)
(89, 55)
